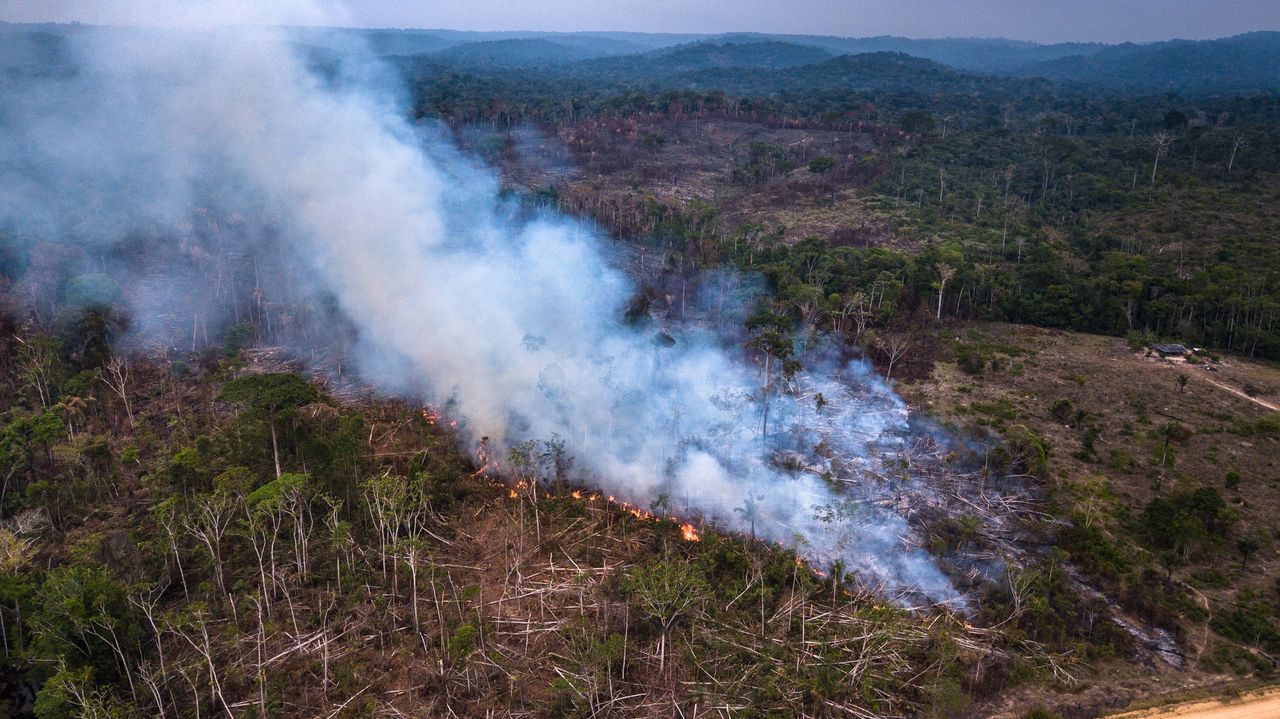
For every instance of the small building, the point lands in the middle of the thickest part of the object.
(1169, 350)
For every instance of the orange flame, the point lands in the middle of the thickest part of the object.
(688, 532)
(434, 416)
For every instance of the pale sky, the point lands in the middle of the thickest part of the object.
(1037, 20)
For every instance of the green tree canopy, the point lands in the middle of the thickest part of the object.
(269, 395)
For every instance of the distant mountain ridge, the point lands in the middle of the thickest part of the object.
(671, 62)
(1238, 64)
(975, 54)
(526, 52)
(1241, 63)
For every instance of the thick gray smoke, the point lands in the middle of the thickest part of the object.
(515, 324)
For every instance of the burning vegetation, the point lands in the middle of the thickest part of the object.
(635, 488)
(688, 531)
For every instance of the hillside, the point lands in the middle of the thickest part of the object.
(522, 53)
(1244, 63)
(673, 63)
(392, 576)
(988, 55)
(871, 71)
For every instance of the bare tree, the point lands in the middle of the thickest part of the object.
(117, 380)
(90, 701)
(1237, 141)
(859, 308)
(945, 273)
(893, 350)
(198, 621)
(168, 516)
(411, 551)
(38, 356)
(1162, 141)
(148, 601)
(385, 498)
(208, 522)
(262, 527)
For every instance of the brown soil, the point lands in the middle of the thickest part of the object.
(1258, 706)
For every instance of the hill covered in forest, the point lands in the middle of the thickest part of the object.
(1244, 63)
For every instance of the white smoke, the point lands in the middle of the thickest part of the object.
(515, 323)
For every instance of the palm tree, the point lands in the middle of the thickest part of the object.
(73, 408)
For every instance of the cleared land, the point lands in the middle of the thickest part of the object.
(1265, 706)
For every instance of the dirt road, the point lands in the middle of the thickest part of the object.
(1177, 364)
(1239, 393)
(1252, 706)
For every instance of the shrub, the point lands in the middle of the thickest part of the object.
(1210, 578)
(237, 338)
(1031, 449)
(1061, 410)
(1186, 522)
(1267, 425)
(1000, 409)
(1092, 551)
(821, 164)
(462, 644)
(1119, 460)
(1253, 390)
(1138, 339)
(971, 361)
(1249, 622)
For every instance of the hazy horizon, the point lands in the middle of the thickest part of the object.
(1138, 21)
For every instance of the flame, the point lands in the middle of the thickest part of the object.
(688, 532)
(487, 469)
(434, 416)
(488, 465)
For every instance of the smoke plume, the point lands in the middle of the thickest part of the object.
(223, 144)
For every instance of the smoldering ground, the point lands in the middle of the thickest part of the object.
(217, 176)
